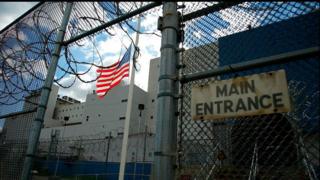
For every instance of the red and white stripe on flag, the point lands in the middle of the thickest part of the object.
(111, 76)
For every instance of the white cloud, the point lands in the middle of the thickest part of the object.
(109, 48)
(197, 34)
(238, 20)
(9, 11)
(79, 90)
(149, 21)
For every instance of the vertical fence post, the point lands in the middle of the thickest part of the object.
(108, 148)
(166, 122)
(145, 143)
(45, 92)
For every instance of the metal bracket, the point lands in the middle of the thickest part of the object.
(179, 66)
(180, 36)
(181, 50)
(160, 23)
(160, 26)
(181, 6)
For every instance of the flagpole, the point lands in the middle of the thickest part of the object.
(129, 107)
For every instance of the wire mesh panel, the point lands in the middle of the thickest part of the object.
(13, 144)
(91, 156)
(27, 45)
(276, 146)
(26, 49)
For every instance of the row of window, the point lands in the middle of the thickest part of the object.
(87, 118)
(62, 117)
(125, 100)
(123, 118)
(70, 109)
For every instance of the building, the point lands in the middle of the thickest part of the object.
(99, 118)
(16, 131)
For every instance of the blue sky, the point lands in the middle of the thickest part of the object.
(9, 11)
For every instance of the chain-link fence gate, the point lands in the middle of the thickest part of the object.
(222, 41)
(229, 40)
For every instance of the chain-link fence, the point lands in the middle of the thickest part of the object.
(26, 49)
(96, 156)
(217, 35)
(276, 146)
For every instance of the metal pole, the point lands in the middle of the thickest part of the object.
(51, 143)
(145, 143)
(129, 108)
(59, 153)
(114, 21)
(166, 122)
(260, 62)
(45, 92)
(108, 147)
(137, 147)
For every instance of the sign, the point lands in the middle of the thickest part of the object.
(257, 94)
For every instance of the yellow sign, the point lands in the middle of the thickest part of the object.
(264, 93)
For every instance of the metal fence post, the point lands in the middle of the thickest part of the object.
(166, 123)
(45, 92)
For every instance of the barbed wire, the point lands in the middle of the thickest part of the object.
(27, 46)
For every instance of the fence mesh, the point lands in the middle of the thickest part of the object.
(94, 156)
(277, 146)
(26, 48)
(27, 45)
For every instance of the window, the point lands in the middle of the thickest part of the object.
(122, 118)
(87, 118)
(120, 133)
(66, 118)
(71, 124)
(124, 100)
(152, 100)
(151, 117)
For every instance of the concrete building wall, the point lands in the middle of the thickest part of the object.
(69, 113)
(100, 115)
(152, 93)
(18, 127)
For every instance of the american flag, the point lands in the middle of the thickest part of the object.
(111, 76)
